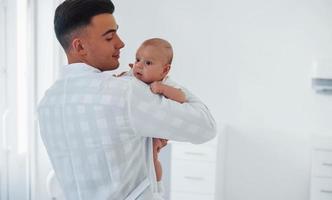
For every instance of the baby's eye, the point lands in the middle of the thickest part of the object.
(148, 62)
(136, 60)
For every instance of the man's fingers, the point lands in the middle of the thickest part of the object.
(164, 141)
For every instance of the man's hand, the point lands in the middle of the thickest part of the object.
(158, 144)
(163, 142)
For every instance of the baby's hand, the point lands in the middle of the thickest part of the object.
(131, 65)
(123, 73)
(157, 87)
(118, 75)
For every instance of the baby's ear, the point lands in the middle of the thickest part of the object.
(167, 67)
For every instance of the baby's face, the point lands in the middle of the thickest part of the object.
(150, 64)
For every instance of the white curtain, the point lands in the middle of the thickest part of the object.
(14, 171)
(49, 59)
(3, 102)
(29, 63)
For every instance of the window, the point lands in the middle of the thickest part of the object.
(16, 102)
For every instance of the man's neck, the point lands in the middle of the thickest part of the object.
(75, 60)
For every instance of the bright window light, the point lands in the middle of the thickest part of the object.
(22, 79)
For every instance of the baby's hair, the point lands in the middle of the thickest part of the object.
(163, 44)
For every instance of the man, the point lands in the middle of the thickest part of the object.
(95, 127)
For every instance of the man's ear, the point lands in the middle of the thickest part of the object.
(78, 47)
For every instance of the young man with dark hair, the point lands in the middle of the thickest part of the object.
(94, 125)
(79, 27)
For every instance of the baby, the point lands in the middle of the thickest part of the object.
(152, 64)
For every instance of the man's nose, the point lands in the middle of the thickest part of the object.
(120, 43)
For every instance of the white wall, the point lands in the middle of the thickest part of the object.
(251, 62)
(268, 50)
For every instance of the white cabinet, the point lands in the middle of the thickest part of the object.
(188, 196)
(193, 171)
(321, 189)
(321, 174)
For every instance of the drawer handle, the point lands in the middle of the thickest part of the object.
(195, 154)
(326, 191)
(194, 178)
(327, 164)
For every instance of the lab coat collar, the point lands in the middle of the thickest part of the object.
(77, 69)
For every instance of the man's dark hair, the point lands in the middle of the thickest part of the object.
(72, 15)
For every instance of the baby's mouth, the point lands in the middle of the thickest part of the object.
(139, 74)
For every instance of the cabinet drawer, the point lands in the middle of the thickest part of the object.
(322, 142)
(321, 189)
(193, 152)
(190, 196)
(322, 163)
(211, 144)
(191, 176)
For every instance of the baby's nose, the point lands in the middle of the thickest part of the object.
(139, 64)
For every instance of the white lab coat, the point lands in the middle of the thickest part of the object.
(96, 130)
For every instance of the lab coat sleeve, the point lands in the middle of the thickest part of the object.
(154, 115)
